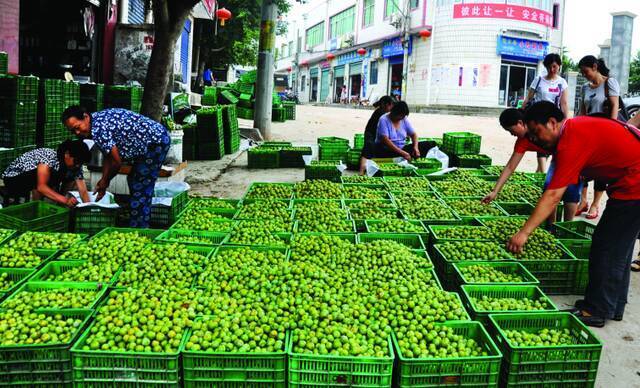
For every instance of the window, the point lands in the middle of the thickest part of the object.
(299, 46)
(369, 10)
(556, 15)
(413, 4)
(283, 50)
(315, 35)
(373, 73)
(290, 48)
(342, 23)
(392, 6)
(303, 82)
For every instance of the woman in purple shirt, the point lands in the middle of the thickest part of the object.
(393, 130)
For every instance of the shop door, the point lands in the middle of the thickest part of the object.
(324, 86)
(395, 81)
(355, 81)
(338, 73)
(515, 79)
(314, 89)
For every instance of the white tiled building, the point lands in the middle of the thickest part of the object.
(480, 53)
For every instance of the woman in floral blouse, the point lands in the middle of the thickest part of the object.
(123, 135)
(41, 172)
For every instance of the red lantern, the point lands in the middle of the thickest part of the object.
(223, 14)
(289, 69)
(330, 57)
(304, 63)
(424, 34)
(362, 51)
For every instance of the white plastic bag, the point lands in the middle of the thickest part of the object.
(163, 192)
(435, 153)
(106, 202)
(371, 167)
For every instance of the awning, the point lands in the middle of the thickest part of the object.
(200, 11)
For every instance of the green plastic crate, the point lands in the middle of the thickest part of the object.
(372, 227)
(185, 237)
(461, 143)
(574, 364)
(480, 371)
(581, 250)
(41, 365)
(202, 369)
(92, 219)
(4, 62)
(91, 368)
(18, 275)
(497, 291)
(575, 230)
(505, 266)
(516, 208)
(263, 157)
(21, 88)
(150, 233)
(292, 158)
(278, 115)
(327, 172)
(33, 286)
(471, 161)
(36, 216)
(437, 238)
(358, 141)
(252, 190)
(58, 267)
(330, 371)
(163, 216)
(413, 241)
(556, 276)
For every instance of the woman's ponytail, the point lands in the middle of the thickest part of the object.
(602, 67)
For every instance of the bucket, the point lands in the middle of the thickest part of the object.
(175, 150)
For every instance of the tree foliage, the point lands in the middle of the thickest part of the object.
(634, 74)
(237, 41)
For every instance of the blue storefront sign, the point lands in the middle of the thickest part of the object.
(351, 57)
(393, 47)
(519, 48)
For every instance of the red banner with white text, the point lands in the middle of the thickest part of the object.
(502, 11)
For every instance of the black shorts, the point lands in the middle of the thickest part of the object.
(368, 151)
(541, 155)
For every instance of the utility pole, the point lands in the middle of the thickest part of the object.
(406, 36)
(264, 92)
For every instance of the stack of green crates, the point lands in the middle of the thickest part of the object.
(35, 216)
(245, 113)
(126, 97)
(92, 97)
(290, 110)
(333, 148)
(231, 129)
(18, 111)
(210, 96)
(358, 141)
(278, 114)
(4, 62)
(189, 141)
(291, 156)
(461, 143)
(210, 134)
(264, 157)
(51, 131)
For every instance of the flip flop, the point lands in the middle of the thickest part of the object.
(584, 209)
(593, 216)
(637, 266)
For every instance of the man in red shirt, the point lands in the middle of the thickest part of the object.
(609, 151)
(512, 120)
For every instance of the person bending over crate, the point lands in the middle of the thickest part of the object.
(596, 148)
(123, 135)
(393, 129)
(383, 105)
(42, 172)
(512, 120)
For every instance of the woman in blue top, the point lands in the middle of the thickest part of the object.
(391, 137)
(123, 135)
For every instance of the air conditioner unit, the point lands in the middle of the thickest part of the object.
(395, 20)
(376, 54)
(348, 40)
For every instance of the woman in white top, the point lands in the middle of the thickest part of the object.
(601, 95)
(552, 88)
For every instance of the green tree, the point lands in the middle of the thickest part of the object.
(634, 74)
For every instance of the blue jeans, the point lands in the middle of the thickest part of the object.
(573, 192)
(142, 181)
